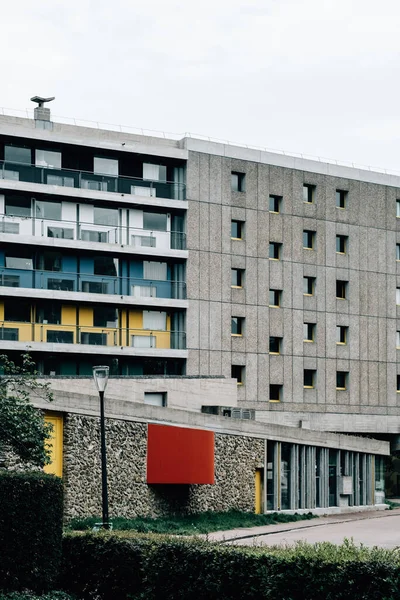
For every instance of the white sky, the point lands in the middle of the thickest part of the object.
(314, 76)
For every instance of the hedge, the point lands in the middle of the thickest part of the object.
(53, 595)
(108, 566)
(31, 508)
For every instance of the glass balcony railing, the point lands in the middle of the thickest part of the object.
(90, 232)
(92, 284)
(92, 181)
(141, 339)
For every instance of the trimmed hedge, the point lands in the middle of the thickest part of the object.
(31, 509)
(31, 596)
(108, 566)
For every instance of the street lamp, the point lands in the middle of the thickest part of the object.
(100, 375)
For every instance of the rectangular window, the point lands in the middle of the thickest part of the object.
(238, 182)
(60, 232)
(341, 289)
(104, 316)
(154, 172)
(341, 380)
(275, 345)
(309, 332)
(18, 206)
(309, 378)
(105, 265)
(154, 320)
(105, 166)
(155, 221)
(308, 286)
(237, 372)
(17, 154)
(105, 216)
(308, 193)
(94, 236)
(341, 198)
(397, 296)
(48, 210)
(398, 208)
(18, 262)
(275, 204)
(398, 383)
(48, 159)
(237, 230)
(341, 244)
(237, 277)
(275, 250)
(237, 326)
(155, 271)
(155, 398)
(308, 239)
(17, 311)
(49, 314)
(60, 337)
(275, 297)
(275, 392)
(9, 334)
(397, 339)
(94, 338)
(397, 251)
(49, 261)
(341, 334)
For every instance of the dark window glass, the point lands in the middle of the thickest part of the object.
(49, 261)
(309, 378)
(275, 345)
(341, 289)
(308, 286)
(275, 297)
(103, 316)
(17, 154)
(61, 233)
(398, 383)
(9, 333)
(308, 193)
(275, 393)
(48, 210)
(237, 372)
(341, 334)
(341, 380)
(96, 339)
(17, 311)
(60, 337)
(275, 250)
(237, 277)
(309, 332)
(105, 216)
(49, 314)
(19, 262)
(308, 239)
(275, 203)
(155, 221)
(105, 265)
(64, 285)
(237, 325)
(18, 206)
(341, 197)
(238, 182)
(341, 244)
(397, 251)
(237, 229)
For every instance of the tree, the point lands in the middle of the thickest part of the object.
(22, 426)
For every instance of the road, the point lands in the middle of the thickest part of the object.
(382, 530)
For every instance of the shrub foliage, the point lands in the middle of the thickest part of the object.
(104, 566)
(31, 508)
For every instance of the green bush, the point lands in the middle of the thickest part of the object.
(31, 508)
(54, 595)
(108, 566)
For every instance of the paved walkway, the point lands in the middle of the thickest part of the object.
(372, 528)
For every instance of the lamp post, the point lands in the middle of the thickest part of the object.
(100, 375)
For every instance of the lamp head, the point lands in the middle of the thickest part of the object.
(100, 376)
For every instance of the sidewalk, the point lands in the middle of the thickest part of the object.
(252, 532)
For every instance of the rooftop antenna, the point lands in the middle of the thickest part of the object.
(41, 113)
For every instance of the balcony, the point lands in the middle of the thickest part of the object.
(92, 284)
(134, 237)
(140, 339)
(92, 181)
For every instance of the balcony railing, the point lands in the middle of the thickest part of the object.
(93, 336)
(90, 232)
(93, 284)
(92, 181)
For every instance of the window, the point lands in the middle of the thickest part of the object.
(105, 265)
(397, 208)
(155, 271)
(237, 372)
(154, 320)
(341, 334)
(237, 276)
(105, 216)
(275, 345)
(48, 159)
(341, 380)
(105, 166)
(275, 250)
(237, 230)
(397, 251)
(48, 210)
(237, 326)
(341, 198)
(18, 206)
(275, 298)
(155, 221)
(9, 333)
(16, 154)
(308, 239)
(17, 311)
(309, 378)
(275, 204)
(398, 339)
(309, 332)
(49, 261)
(94, 236)
(60, 232)
(308, 286)
(155, 398)
(60, 337)
(103, 316)
(308, 193)
(341, 289)
(19, 262)
(50, 313)
(398, 383)
(238, 182)
(341, 244)
(275, 392)
(397, 295)
(154, 172)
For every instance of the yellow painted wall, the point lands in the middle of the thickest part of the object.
(56, 449)
(258, 490)
(68, 315)
(86, 316)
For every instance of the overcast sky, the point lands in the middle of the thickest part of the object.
(320, 77)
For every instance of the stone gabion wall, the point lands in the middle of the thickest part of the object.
(236, 458)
